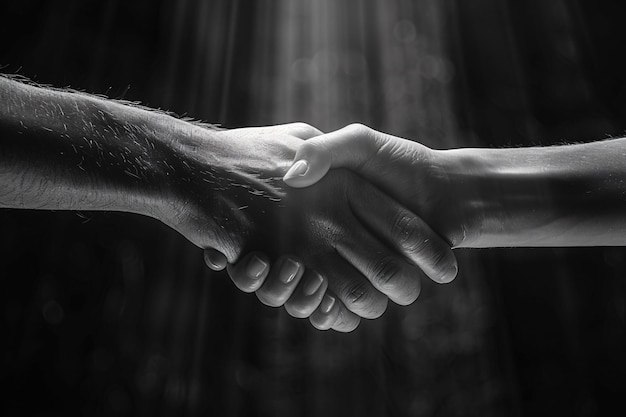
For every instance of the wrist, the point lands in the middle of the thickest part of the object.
(462, 212)
(504, 197)
(216, 182)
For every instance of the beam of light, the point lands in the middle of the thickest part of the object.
(328, 63)
(167, 337)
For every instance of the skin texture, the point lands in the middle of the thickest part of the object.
(320, 226)
(402, 168)
(220, 190)
(570, 195)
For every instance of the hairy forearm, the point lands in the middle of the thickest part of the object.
(573, 195)
(63, 150)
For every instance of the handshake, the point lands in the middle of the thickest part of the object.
(334, 225)
(337, 251)
(330, 225)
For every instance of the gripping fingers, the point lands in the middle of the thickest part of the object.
(249, 272)
(332, 314)
(303, 292)
(389, 273)
(326, 314)
(281, 282)
(405, 232)
(307, 295)
(353, 289)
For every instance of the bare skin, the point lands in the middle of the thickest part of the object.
(221, 190)
(570, 195)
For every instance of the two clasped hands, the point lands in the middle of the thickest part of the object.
(331, 226)
(387, 211)
(366, 244)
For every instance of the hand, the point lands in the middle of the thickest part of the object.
(556, 196)
(410, 172)
(318, 226)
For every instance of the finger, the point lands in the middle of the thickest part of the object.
(249, 273)
(281, 281)
(326, 314)
(405, 232)
(352, 288)
(214, 259)
(346, 320)
(349, 147)
(332, 314)
(307, 295)
(387, 272)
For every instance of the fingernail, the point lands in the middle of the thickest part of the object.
(327, 303)
(256, 267)
(298, 169)
(211, 263)
(313, 284)
(214, 260)
(289, 271)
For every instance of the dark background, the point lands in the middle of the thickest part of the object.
(115, 314)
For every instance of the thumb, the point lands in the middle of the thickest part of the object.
(348, 147)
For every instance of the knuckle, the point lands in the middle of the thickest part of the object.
(386, 273)
(303, 128)
(361, 299)
(357, 293)
(308, 147)
(358, 129)
(407, 234)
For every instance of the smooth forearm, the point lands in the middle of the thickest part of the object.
(572, 195)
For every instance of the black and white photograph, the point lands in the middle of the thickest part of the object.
(313, 208)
